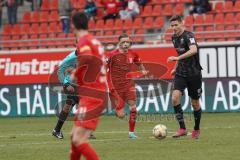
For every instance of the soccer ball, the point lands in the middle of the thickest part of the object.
(160, 131)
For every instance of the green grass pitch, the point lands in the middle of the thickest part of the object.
(30, 139)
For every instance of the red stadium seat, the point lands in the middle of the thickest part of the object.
(137, 23)
(159, 22)
(210, 34)
(35, 17)
(209, 19)
(199, 35)
(167, 10)
(229, 32)
(148, 23)
(236, 7)
(100, 13)
(129, 32)
(109, 37)
(43, 36)
(219, 34)
(109, 24)
(16, 30)
(157, 10)
(53, 5)
(54, 28)
(219, 19)
(34, 30)
(228, 6)
(43, 28)
(199, 20)
(178, 10)
(229, 18)
(25, 28)
(119, 32)
(237, 18)
(147, 11)
(188, 21)
(44, 17)
(91, 24)
(168, 35)
(127, 24)
(219, 7)
(156, 1)
(26, 17)
(7, 29)
(99, 24)
(139, 36)
(54, 16)
(45, 5)
(61, 35)
(238, 33)
(118, 25)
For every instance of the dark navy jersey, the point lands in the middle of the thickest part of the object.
(189, 66)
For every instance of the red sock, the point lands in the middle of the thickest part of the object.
(74, 154)
(132, 119)
(87, 151)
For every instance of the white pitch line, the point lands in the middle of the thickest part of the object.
(59, 141)
(102, 132)
(49, 133)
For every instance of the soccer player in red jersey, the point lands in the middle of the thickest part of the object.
(122, 89)
(90, 88)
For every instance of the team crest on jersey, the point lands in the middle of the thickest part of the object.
(182, 40)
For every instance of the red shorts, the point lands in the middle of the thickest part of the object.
(122, 96)
(88, 113)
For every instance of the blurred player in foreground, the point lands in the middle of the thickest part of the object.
(91, 91)
(187, 75)
(122, 88)
(64, 72)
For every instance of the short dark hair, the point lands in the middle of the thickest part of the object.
(123, 35)
(80, 21)
(176, 18)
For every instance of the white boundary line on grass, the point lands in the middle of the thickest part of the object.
(103, 132)
(96, 140)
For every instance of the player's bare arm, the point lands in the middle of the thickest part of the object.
(173, 71)
(143, 69)
(191, 52)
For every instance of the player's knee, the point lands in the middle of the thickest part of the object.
(120, 115)
(78, 139)
(175, 100)
(195, 104)
(66, 108)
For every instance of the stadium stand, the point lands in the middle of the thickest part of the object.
(40, 29)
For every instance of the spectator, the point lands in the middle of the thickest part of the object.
(200, 6)
(111, 8)
(234, 1)
(90, 9)
(36, 4)
(142, 2)
(131, 11)
(65, 8)
(124, 3)
(1, 5)
(12, 6)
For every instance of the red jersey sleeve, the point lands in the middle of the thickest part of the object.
(136, 58)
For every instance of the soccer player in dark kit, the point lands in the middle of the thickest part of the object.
(187, 75)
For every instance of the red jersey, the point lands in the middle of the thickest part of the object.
(119, 64)
(111, 7)
(90, 74)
